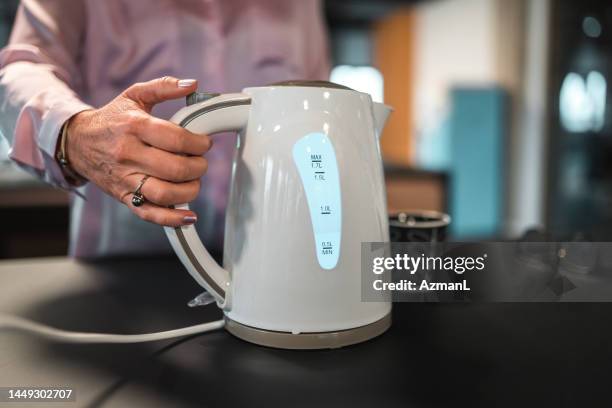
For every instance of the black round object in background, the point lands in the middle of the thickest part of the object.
(418, 226)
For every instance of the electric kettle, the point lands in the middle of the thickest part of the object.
(307, 189)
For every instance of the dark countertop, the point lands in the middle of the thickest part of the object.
(548, 354)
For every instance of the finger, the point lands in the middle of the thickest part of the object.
(163, 193)
(168, 217)
(173, 138)
(161, 89)
(169, 166)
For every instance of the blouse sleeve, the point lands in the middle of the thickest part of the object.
(39, 82)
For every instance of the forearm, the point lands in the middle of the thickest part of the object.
(38, 76)
(35, 104)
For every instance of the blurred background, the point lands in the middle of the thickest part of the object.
(502, 117)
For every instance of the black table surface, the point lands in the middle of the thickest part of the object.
(529, 354)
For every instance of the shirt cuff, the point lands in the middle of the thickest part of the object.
(50, 127)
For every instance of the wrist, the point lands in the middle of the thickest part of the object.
(66, 154)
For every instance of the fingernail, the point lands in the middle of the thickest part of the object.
(186, 83)
(190, 219)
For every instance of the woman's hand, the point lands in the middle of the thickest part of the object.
(117, 145)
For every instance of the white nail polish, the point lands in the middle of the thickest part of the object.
(186, 83)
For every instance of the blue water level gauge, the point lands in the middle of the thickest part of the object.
(315, 159)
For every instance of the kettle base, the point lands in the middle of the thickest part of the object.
(308, 341)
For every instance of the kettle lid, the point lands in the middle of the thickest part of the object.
(313, 84)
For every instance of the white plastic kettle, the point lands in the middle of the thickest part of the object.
(307, 189)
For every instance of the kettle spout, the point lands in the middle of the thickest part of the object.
(381, 114)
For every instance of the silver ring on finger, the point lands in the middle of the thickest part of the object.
(138, 198)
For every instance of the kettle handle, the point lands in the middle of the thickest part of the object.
(228, 112)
